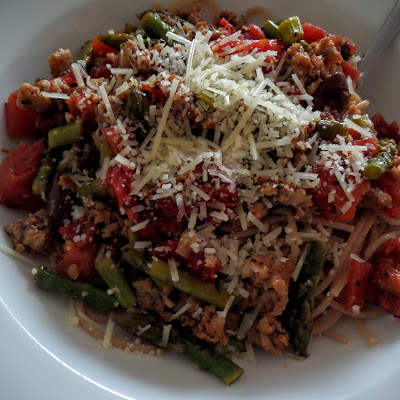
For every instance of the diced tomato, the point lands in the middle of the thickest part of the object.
(163, 220)
(79, 227)
(341, 199)
(256, 32)
(118, 183)
(81, 106)
(246, 46)
(49, 120)
(101, 49)
(354, 134)
(332, 210)
(78, 261)
(20, 123)
(17, 172)
(228, 27)
(385, 130)
(146, 87)
(393, 212)
(113, 138)
(267, 44)
(352, 46)
(79, 250)
(204, 265)
(349, 70)
(155, 91)
(312, 33)
(167, 249)
(358, 283)
(100, 71)
(390, 183)
(69, 78)
(372, 144)
(392, 248)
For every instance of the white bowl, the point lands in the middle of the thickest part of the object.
(42, 356)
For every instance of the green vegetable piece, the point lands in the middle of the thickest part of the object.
(362, 120)
(115, 39)
(135, 258)
(305, 45)
(93, 188)
(66, 134)
(89, 294)
(116, 281)
(86, 51)
(190, 284)
(271, 30)
(297, 316)
(41, 181)
(234, 346)
(155, 27)
(328, 130)
(137, 105)
(129, 28)
(290, 30)
(200, 355)
(378, 165)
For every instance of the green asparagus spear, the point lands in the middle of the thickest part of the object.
(66, 134)
(290, 30)
(328, 130)
(135, 258)
(203, 357)
(86, 51)
(271, 30)
(299, 322)
(41, 180)
(91, 295)
(116, 281)
(93, 188)
(115, 39)
(378, 165)
(190, 284)
(234, 346)
(155, 27)
(137, 105)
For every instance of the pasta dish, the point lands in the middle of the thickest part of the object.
(206, 187)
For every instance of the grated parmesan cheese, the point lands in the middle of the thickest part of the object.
(108, 333)
(181, 311)
(173, 269)
(165, 335)
(163, 122)
(139, 226)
